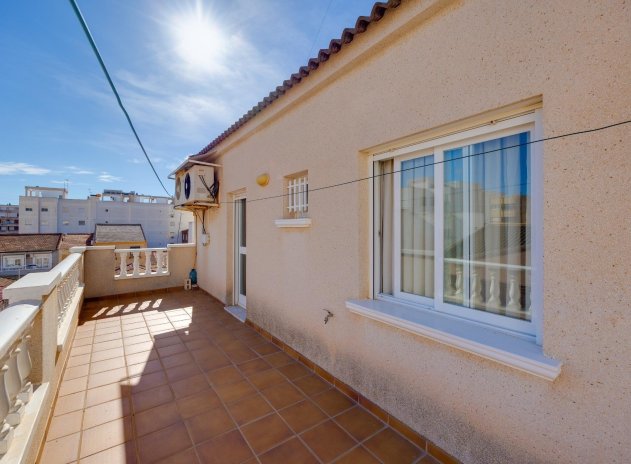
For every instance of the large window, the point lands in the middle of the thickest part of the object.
(454, 225)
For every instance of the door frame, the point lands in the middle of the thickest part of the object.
(238, 250)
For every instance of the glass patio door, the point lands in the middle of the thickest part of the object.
(240, 252)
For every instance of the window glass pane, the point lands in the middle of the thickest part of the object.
(417, 226)
(242, 274)
(487, 246)
(242, 221)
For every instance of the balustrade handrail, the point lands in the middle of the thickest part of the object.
(131, 250)
(488, 264)
(13, 322)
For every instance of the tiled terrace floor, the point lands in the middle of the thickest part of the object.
(174, 378)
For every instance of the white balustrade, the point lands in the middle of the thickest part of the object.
(485, 285)
(70, 275)
(16, 390)
(144, 262)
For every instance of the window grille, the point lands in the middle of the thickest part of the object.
(297, 195)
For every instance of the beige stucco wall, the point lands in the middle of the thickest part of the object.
(426, 65)
(99, 263)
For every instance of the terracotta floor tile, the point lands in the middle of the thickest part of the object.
(265, 349)
(170, 350)
(302, 416)
(69, 403)
(77, 371)
(266, 378)
(333, 401)
(190, 386)
(391, 447)
(312, 385)
(108, 354)
(209, 424)
(206, 352)
(282, 394)
(106, 393)
(249, 409)
(68, 387)
(241, 355)
(292, 451)
(359, 423)
(212, 363)
(119, 454)
(294, 370)
(266, 433)
(278, 359)
(156, 418)
(182, 372)
(229, 448)
(107, 365)
(162, 341)
(82, 342)
(133, 340)
(197, 403)
(235, 391)
(80, 350)
(138, 329)
(107, 345)
(106, 412)
(104, 330)
(151, 398)
(198, 344)
(138, 348)
(62, 450)
(108, 337)
(60, 426)
(177, 359)
(224, 376)
(358, 455)
(427, 459)
(144, 368)
(251, 367)
(79, 360)
(147, 381)
(144, 356)
(185, 457)
(107, 377)
(106, 436)
(163, 443)
(328, 440)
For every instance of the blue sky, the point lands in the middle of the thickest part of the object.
(186, 70)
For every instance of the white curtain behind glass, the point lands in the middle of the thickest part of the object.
(487, 226)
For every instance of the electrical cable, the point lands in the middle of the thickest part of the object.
(361, 179)
(88, 34)
(315, 39)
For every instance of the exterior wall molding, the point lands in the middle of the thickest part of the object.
(287, 223)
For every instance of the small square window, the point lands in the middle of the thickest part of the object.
(28, 209)
(81, 223)
(44, 210)
(296, 204)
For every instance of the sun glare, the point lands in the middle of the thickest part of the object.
(199, 41)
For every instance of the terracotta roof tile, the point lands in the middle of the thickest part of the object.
(379, 9)
(72, 240)
(111, 233)
(20, 243)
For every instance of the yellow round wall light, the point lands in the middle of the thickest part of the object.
(263, 180)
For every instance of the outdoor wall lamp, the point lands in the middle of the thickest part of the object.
(263, 179)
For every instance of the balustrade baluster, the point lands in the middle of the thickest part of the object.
(513, 293)
(476, 290)
(13, 386)
(136, 265)
(459, 290)
(24, 370)
(494, 291)
(147, 262)
(6, 431)
(159, 269)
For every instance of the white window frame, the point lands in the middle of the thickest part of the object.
(42, 256)
(436, 147)
(12, 258)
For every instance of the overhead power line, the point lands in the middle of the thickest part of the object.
(361, 179)
(88, 34)
(315, 39)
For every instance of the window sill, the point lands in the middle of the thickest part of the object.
(284, 223)
(512, 351)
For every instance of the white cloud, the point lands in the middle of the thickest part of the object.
(10, 168)
(77, 170)
(107, 177)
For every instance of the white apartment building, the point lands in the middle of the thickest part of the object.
(9, 219)
(46, 210)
